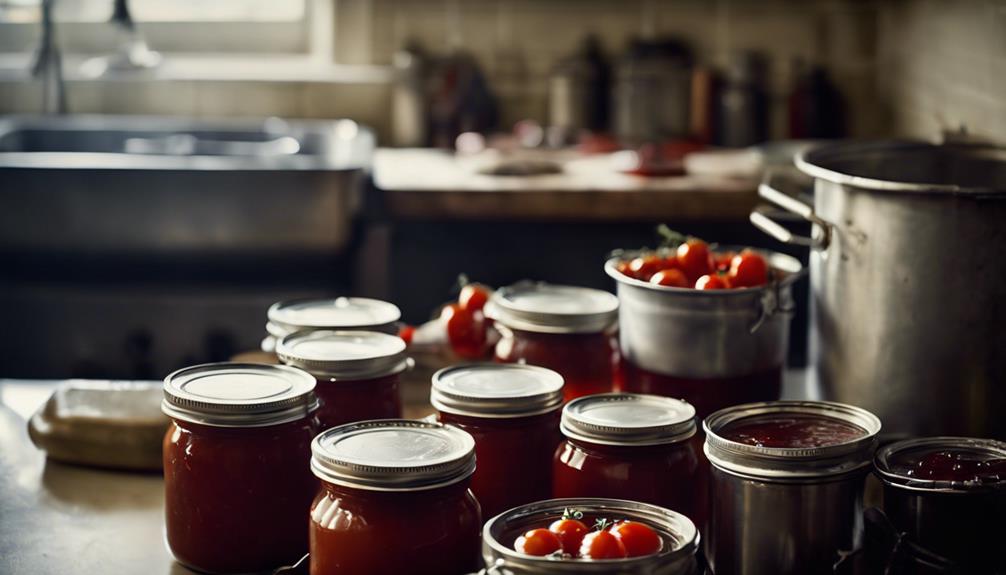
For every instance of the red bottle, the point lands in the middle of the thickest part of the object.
(629, 446)
(570, 330)
(394, 499)
(357, 372)
(236, 477)
(512, 411)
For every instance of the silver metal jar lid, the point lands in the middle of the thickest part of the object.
(909, 451)
(782, 463)
(548, 308)
(393, 455)
(238, 394)
(496, 390)
(338, 313)
(628, 419)
(347, 355)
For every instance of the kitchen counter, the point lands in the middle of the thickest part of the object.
(435, 184)
(62, 519)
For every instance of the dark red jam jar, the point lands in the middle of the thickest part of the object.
(512, 411)
(236, 476)
(341, 313)
(787, 480)
(628, 446)
(394, 499)
(948, 495)
(357, 372)
(570, 330)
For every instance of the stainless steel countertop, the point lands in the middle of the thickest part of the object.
(63, 519)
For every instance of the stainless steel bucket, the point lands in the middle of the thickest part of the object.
(785, 511)
(908, 281)
(705, 334)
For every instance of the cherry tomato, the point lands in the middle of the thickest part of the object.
(722, 261)
(694, 258)
(637, 538)
(670, 277)
(712, 282)
(465, 330)
(570, 532)
(601, 545)
(406, 333)
(748, 269)
(645, 266)
(473, 297)
(671, 263)
(538, 542)
(624, 268)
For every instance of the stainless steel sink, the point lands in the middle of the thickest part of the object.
(164, 186)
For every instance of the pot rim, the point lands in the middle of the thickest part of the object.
(890, 477)
(811, 163)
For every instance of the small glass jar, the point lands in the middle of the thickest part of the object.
(628, 446)
(236, 477)
(948, 494)
(394, 499)
(678, 555)
(512, 411)
(357, 372)
(787, 485)
(341, 313)
(570, 330)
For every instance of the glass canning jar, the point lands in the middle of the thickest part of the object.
(512, 411)
(341, 313)
(236, 477)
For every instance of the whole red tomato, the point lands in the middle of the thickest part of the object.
(473, 297)
(645, 266)
(570, 532)
(538, 542)
(714, 281)
(601, 545)
(637, 538)
(748, 269)
(465, 330)
(694, 258)
(670, 277)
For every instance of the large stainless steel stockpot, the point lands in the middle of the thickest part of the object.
(908, 281)
(699, 334)
(783, 510)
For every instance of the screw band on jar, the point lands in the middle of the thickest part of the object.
(791, 439)
(343, 313)
(350, 355)
(238, 394)
(546, 308)
(944, 464)
(495, 390)
(393, 455)
(628, 419)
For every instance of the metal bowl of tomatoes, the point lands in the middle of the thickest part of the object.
(588, 535)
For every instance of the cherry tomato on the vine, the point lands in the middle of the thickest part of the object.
(538, 542)
(694, 258)
(712, 282)
(748, 269)
(570, 533)
(637, 538)
(601, 545)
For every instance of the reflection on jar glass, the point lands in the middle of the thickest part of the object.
(236, 466)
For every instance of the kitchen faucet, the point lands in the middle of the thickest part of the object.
(48, 65)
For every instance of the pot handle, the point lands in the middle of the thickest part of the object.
(820, 229)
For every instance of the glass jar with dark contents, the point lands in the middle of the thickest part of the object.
(236, 477)
(357, 372)
(787, 484)
(629, 446)
(570, 330)
(341, 313)
(512, 411)
(948, 494)
(394, 499)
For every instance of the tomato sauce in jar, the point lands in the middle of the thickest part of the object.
(394, 499)
(236, 476)
(570, 330)
(512, 411)
(341, 313)
(629, 446)
(948, 495)
(357, 372)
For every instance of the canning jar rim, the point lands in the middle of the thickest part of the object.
(392, 361)
(296, 402)
(507, 314)
(786, 462)
(279, 326)
(497, 407)
(890, 477)
(577, 428)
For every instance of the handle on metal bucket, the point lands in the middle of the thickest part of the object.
(820, 229)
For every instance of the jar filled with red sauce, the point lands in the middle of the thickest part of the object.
(512, 411)
(357, 372)
(948, 495)
(236, 475)
(786, 485)
(394, 499)
(570, 330)
(341, 313)
(628, 446)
